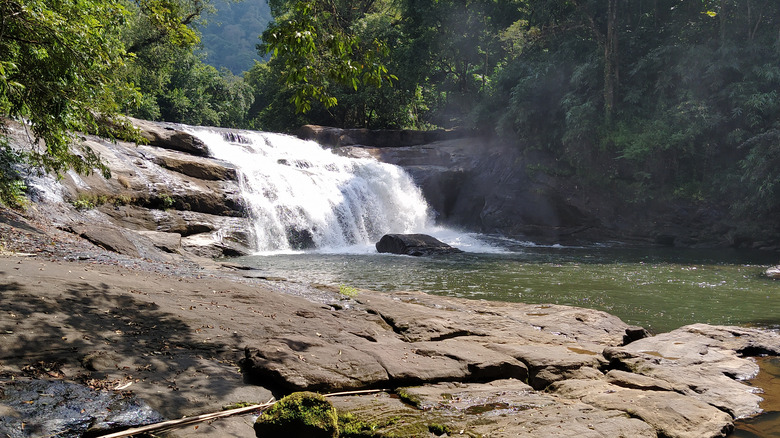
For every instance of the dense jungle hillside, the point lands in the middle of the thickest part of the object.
(231, 34)
(652, 103)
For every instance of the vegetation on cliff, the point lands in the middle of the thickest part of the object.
(655, 100)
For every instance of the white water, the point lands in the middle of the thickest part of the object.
(295, 187)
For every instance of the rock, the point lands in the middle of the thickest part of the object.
(337, 137)
(476, 183)
(551, 363)
(414, 245)
(300, 239)
(704, 362)
(215, 245)
(501, 408)
(684, 384)
(637, 381)
(168, 242)
(196, 167)
(416, 338)
(63, 409)
(635, 333)
(110, 238)
(302, 414)
(773, 272)
(669, 413)
(101, 360)
(166, 136)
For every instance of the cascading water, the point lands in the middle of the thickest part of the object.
(301, 196)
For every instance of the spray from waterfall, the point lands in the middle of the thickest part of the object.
(301, 196)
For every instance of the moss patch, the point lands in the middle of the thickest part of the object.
(299, 414)
(408, 398)
(439, 429)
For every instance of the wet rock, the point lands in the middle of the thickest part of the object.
(414, 245)
(67, 410)
(216, 244)
(200, 195)
(300, 239)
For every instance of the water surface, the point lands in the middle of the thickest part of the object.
(658, 288)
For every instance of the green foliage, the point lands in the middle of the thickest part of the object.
(299, 414)
(230, 35)
(439, 429)
(57, 63)
(238, 405)
(662, 100)
(760, 175)
(409, 398)
(351, 427)
(169, 80)
(348, 291)
(197, 94)
(316, 48)
(165, 201)
(12, 186)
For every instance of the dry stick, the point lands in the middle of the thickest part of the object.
(172, 424)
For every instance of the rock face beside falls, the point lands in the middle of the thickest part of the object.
(164, 199)
(413, 245)
(482, 184)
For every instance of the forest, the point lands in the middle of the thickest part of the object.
(658, 100)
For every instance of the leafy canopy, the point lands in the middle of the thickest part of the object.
(57, 64)
(318, 48)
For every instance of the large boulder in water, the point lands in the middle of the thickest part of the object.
(773, 272)
(413, 244)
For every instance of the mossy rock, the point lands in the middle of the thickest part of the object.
(303, 414)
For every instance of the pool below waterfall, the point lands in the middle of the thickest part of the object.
(657, 288)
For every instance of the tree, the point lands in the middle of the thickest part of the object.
(316, 47)
(57, 64)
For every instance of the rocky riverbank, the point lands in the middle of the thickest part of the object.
(189, 339)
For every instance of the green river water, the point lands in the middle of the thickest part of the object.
(660, 289)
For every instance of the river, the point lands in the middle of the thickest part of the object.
(658, 288)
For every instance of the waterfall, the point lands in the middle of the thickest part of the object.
(301, 196)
